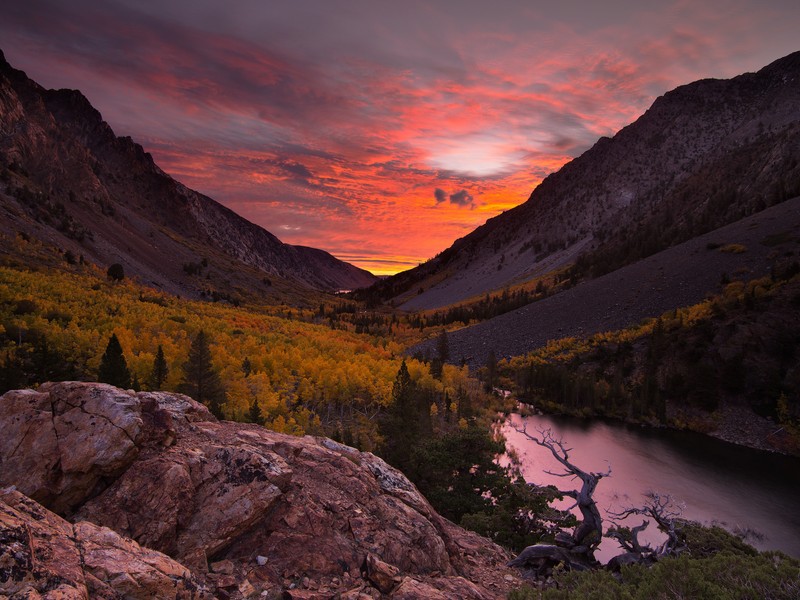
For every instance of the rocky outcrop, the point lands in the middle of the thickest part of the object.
(44, 556)
(245, 509)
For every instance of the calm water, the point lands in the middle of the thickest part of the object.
(716, 481)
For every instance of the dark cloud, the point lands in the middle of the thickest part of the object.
(462, 198)
(440, 195)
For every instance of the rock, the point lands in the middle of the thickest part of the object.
(383, 576)
(411, 589)
(303, 507)
(57, 447)
(41, 553)
(225, 567)
(246, 589)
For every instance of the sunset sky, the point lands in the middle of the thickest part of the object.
(380, 131)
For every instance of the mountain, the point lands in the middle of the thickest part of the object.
(685, 274)
(704, 155)
(67, 181)
(238, 510)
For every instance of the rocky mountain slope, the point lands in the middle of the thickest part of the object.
(159, 495)
(704, 155)
(679, 276)
(67, 180)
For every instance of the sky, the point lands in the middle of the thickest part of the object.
(378, 130)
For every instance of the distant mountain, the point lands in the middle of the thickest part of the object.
(66, 180)
(704, 155)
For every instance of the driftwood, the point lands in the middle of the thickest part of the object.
(576, 550)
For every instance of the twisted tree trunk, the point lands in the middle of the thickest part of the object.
(575, 550)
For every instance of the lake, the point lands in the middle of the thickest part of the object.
(716, 481)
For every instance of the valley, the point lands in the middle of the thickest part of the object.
(345, 445)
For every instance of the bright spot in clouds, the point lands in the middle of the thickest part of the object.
(479, 155)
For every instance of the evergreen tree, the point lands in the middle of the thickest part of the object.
(255, 414)
(442, 354)
(200, 380)
(113, 368)
(160, 370)
(12, 376)
(443, 347)
(491, 371)
(407, 420)
(247, 368)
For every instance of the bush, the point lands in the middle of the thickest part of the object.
(116, 272)
(771, 575)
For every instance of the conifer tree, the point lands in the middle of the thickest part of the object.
(113, 367)
(200, 380)
(160, 370)
(443, 347)
(247, 367)
(255, 414)
(406, 421)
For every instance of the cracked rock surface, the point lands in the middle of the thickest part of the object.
(234, 507)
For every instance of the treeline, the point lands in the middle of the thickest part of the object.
(742, 345)
(486, 308)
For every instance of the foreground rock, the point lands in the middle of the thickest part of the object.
(44, 556)
(247, 510)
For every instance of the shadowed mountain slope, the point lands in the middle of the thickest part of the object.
(68, 181)
(677, 277)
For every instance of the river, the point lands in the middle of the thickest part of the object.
(716, 481)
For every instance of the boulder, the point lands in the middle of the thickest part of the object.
(58, 448)
(277, 511)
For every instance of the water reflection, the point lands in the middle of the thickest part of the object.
(716, 481)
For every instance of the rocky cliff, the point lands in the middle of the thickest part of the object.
(162, 500)
(67, 180)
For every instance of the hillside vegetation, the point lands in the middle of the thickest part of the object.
(695, 367)
(304, 377)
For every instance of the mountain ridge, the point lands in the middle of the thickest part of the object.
(109, 196)
(703, 155)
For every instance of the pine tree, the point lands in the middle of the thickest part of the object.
(443, 347)
(200, 380)
(160, 370)
(255, 414)
(12, 376)
(491, 371)
(113, 367)
(247, 368)
(406, 421)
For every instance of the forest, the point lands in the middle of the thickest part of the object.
(340, 371)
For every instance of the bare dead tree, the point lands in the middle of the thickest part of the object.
(666, 512)
(577, 549)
